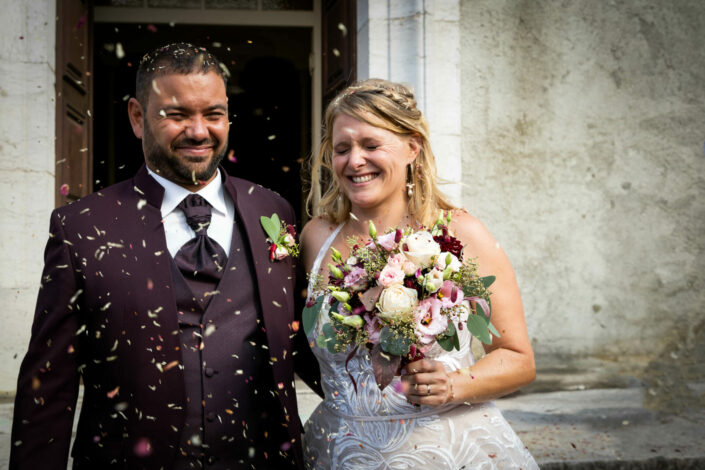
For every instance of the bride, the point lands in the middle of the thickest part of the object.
(375, 164)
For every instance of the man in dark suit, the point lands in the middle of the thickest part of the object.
(160, 294)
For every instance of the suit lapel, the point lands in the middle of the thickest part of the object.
(271, 277)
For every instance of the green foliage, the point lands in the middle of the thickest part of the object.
(310, 314)
(393, 342)
(271, 226)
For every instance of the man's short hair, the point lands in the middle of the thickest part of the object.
(178, 58)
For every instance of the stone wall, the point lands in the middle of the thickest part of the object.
(27, 42)
(583, 126)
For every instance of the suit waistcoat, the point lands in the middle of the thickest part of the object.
(233, 415)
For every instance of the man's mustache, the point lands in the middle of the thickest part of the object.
(186, 142)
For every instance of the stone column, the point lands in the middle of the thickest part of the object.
(27, 54)
(417, 42)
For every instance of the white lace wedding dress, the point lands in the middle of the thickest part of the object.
(372, 429)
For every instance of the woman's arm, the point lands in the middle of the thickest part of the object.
(509, 363)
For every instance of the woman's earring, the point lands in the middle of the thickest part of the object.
(410, 185)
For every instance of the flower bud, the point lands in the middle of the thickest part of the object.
(337, 257)
(373, 230)
(341, 296)
(335, 271)
(355, 321)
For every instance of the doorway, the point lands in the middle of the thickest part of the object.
(269, 98)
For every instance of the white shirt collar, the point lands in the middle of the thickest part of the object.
(174, 194)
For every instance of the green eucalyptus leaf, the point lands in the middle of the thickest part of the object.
(492, 329)
(446, 342)
(450, 331)
(477, 325)
(487, 281)
(310, 314)
(392, 343)
(331, 338)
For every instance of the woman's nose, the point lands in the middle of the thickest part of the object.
(357, 157)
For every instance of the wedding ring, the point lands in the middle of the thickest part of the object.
(428, 389)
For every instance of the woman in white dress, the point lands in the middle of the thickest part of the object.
(375, 163)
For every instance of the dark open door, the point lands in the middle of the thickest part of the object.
(339, 27)
(74, 64)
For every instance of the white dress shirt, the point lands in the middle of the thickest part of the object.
(176, 229)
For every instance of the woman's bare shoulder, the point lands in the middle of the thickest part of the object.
(472, 233)
(313, 235)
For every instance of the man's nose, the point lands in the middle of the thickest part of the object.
(197, 129)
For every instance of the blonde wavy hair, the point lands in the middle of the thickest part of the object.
(389, 106)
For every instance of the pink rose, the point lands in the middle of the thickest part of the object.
(289, 240)
(355, 279)
(429, 320)
(396, 261)
(450, 295)
(390, 276)
(278, 252)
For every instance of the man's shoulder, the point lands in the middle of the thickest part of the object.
(113, 195)
(246, 188)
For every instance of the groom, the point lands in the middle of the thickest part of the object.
(159, 294)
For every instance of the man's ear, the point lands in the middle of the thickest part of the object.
(136, 115)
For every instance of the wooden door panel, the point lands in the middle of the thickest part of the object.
(74, 155)
(339, 43)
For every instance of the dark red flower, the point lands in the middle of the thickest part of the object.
(449, 244)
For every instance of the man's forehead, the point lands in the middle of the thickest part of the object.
(192, 85)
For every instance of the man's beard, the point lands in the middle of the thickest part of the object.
(166, 163)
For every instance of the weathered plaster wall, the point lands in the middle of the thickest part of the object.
(27, 38)
(583, 130)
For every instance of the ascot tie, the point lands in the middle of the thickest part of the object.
(201, 260)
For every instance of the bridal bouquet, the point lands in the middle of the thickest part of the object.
(398, 295)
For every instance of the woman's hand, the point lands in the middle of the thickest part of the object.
(426, 382)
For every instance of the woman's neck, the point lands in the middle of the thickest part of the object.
(385, 216)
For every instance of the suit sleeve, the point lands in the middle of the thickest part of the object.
(305, 362)
(47, 386)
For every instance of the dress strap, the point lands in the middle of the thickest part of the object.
(322, 252)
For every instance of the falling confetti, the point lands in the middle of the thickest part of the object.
(231, 156)
(152, 28)
(143, 447)
(64, 189)
(119, 51)
(343, 29)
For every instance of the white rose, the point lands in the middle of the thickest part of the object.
(396, 301)
(440, 262)
(433, 280)
(420, 248)
(280, 253)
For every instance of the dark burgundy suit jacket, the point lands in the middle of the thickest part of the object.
(106, 313)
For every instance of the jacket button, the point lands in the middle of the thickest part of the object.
(209, 372)
(210, 416)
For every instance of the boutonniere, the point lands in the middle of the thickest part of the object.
(281, 238)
